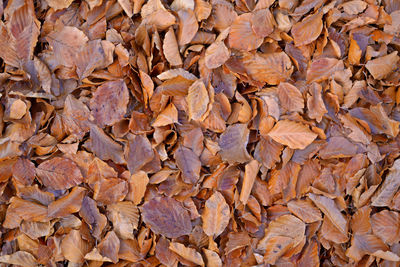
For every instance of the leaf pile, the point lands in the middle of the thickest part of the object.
(199, 133)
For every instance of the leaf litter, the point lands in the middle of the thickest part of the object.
(199, 133)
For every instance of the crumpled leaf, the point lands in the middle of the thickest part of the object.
(384, 195)
(92, 216)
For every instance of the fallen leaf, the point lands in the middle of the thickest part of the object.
(290, 97)
(197, 100)
(188, 254)
(59, 173)
(167, 217)
(216, 215)
(242, 36)
(307, 30)
(292, 134)
(382, 66)
(109, 102)
(233, 144)
(189, 164)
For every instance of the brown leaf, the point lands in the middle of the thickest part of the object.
(110, 190)
(250, 174)
(92, 216)
(170, 47)
(377, 120)
(262, 22)
(385, 225)
(268, 152)
(168, 116)
(109, 102)
(186, 253)
(389, 187)
(109, 246)
(305, 210)
(166, 216)
(24, 171)
(216, 55)
(67, 204)
(138, 153)
(59, 173)
(202, 9)
(329, 208)
(216, 215)
(188, 26)
(233, 144)
(382, 66)
(74, 247)
(286, 230)
(290, 97)
(370, 245)
(104, 147)
(37, 229)
(293, 134)
(338, 147)
(271, 68)
(308, 30)
(242, 36)
(137, 187)
(189, 164)
(19, 36)
(125, 218)
(197, 100)
(322, 68)
(20, 258)
(59, 4)
(315, 104)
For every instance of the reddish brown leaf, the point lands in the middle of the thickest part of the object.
(233, 144)
(59, 173)
(216, 215)
(109, 102)
(166, 216)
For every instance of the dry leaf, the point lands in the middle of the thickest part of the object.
(250, 175)
(189, 164)
(197, 100)
(308, 30)
(382, 66)
(59, 173)
(125, 218)
(292, 134)
(233, 144)
(166, 216)
(216, 215)
(188, 254)
(290, 97)
(242, 36)
(109, 102)
(170, 47)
